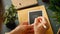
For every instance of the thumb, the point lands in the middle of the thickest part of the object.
(36, 21)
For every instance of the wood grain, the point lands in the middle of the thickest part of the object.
(23, 3)
(23, 16)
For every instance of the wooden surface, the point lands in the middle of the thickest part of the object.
(23, 16)
(23, 3)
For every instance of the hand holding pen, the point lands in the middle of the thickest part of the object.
(40, 25)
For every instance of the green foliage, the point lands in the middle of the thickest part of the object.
(10, 14)
(55, 7)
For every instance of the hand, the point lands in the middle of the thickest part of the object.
(40, 25)
(23, 29)
(58, 31)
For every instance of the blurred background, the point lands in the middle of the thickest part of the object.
(52, 7)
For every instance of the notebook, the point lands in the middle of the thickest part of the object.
(23, 16)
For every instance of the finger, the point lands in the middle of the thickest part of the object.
(41, 26)
(36, 21)
(40, 19)
(32, 24)
(30, 32)
(29, 27)
(45, 22)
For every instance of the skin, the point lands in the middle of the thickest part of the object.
(38, 25)
(58, 31)
(23, 29)
(35, 28)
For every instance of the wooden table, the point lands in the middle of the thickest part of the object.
(23, 3)
(23, 16)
